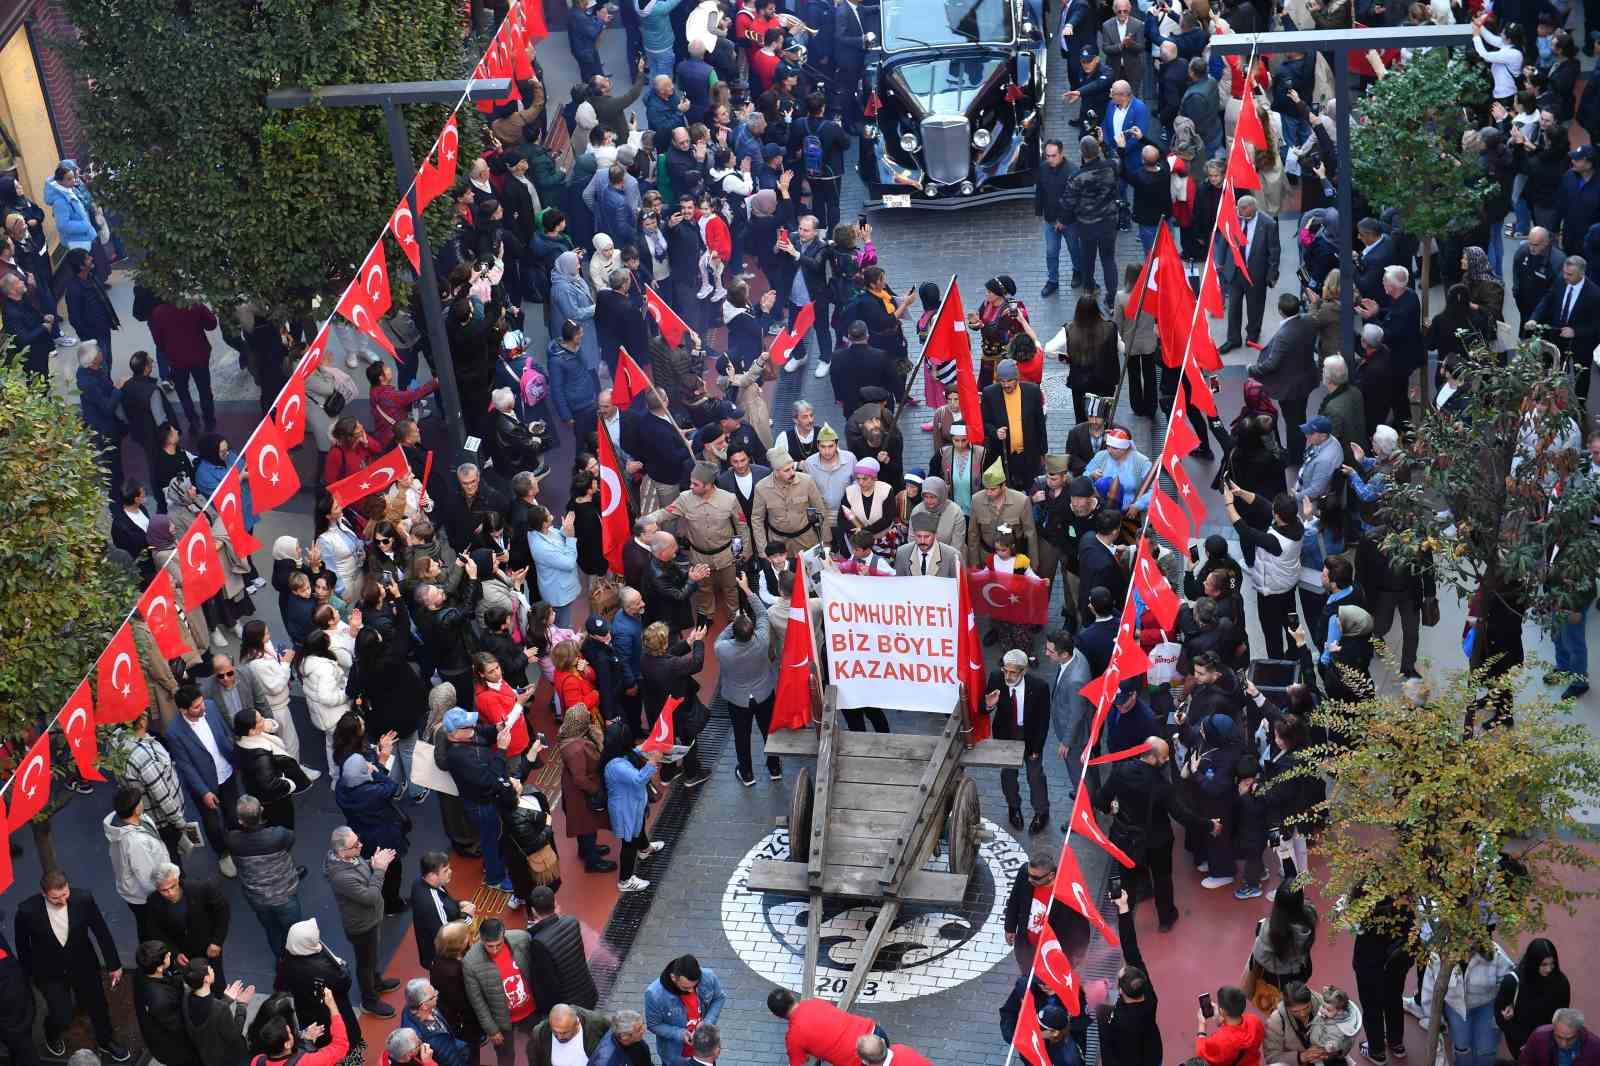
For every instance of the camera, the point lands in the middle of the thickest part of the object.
(1091, 117)
(1274, 837)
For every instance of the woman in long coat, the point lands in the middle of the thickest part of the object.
(581, 777)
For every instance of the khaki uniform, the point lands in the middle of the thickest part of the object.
(1015, 511)
(710, 524)
(779, 512)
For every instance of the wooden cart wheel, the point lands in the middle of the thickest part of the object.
(800, 816)
(962, 827)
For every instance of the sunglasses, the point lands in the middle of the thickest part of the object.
(225, 673)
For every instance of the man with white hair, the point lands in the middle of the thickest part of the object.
(1260, 253)
(1566, 1041)
(1390, 587)
(1534, 269)
(1123, 42)
(516, 446)
(1019, 706)
(101, 405)
(624, 1044)
(421, 1017)
(1376, 374)
(404, 1045)
(1401, 320)
(28, 329)
(1343, 406)
(357, 885)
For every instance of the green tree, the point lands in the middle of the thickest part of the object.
(226, 200)
(1406, 146)
(1421, 812)
(61, 599)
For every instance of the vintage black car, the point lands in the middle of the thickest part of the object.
(955, 101)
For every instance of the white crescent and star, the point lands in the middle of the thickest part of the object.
(358, 311)
(610, 491)
(991, 587)
(188, 554)
(123, 658)
(158, 605)
(406, 231)
(26, 783)
(659, 733)
(261, 462)
(377, 282)
(288, 414)
(74, 737)
(1049, 955)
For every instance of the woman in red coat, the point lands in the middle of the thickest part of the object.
(574, 679)
(581, 778)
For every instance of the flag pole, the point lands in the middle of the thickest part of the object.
(922, 358)
(1138, 308)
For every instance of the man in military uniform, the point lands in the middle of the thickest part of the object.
(998, 505)
(710, 519)
(1052, 516)
(782, 501)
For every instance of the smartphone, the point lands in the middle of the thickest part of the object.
(1206, 1009)
(783, 234)
(1114, 886)
(317, 988)
(541, 738)
(1214, 384)
(1292, 621)
(861, 220)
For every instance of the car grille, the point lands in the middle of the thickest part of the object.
(945, 147)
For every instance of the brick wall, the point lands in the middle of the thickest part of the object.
(49, 22)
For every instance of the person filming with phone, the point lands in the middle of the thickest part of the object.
(1226, 1035)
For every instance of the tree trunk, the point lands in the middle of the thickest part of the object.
(1436, 1026)
(1427, 283)
(46, 845)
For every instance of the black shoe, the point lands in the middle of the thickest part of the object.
(387, 984)
(991, 638)
(600, 866)
(697, 780)
(1574, 690)
(602, 849)
(1077, 281)
(1227, 346)
(115, 1052)
(389, 911)
(1050, 289)
(378, 1010)
(301, 872)
(1038, 824)
(1166, 927)
(82, 788)
(1015, 815)
(747, 780)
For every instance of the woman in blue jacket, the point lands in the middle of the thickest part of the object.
(570, 298)
(73, 221)
(555, 561)
(627, 773)
(366, 797)
(212, 461)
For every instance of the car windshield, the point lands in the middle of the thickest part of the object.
(913, 24)
(946, 86)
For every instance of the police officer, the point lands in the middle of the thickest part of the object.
(783, 505)
(731, 417)
(709, 518)
(1534, 269)
(995, 506)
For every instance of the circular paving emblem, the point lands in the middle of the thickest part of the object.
(931, 949)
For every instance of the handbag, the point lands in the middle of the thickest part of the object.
(1263, 994)
(334, 403)
(545, 865)
(1430, 611)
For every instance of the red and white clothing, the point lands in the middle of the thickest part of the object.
(1039, 911)
(821, 1030)
(519, 999)
(691, 1012)
(498, 702)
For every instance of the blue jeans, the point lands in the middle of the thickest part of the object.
(1054, 239)
(275, 920)
(1572, 648)
(1475, 1037)
(1147, 236)
(1497, 246)
(1098, 239)
(659, 62)
(564, 612)
(487, 819)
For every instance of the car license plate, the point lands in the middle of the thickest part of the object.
(897, 199)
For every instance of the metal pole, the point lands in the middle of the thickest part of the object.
(1347, 272)
(428, 297)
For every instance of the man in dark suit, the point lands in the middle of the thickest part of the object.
(1261, 261)
(662, 455)
(1570, 313)
(67, 972)
(1099, 634)
(1288, 369)
(190, 916)
(1020, 708)
(231, 690)
(1022, 452)
(561, 970)
(202, 752)
(16, 1023)
(858, 365)
(1097, 562)
(1402, 334)
(1376, 252)
(432, 906)
(1085, 439)
(851, 27)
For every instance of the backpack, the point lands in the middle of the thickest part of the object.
(812, 153)
(532, 385)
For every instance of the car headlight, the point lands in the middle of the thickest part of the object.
(930, 190)
(981, 138)
(966, 188)
(909, 142)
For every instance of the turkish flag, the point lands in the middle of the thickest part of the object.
(1241, 168)
(672, 328)
(313, 353)
(121, 694)
(949, 347)
(290, 411)
(615, 525)
(1117, 756)
(273, 478)
(1173, 303)
(1249, 128)
(1169, 520)
(199, 564)
(159, 606)
(77, 725)
(1231, 228)
(791, 709)
(1202, 349)
(30, 788)
(1055, 969)
(1100, 692)
(1180, 439)
(536, 29)
(1126, 654)
(5, 860)
(665, 734)
(1028, 1040)
(438, 171)
(1071, 889)
(629, 382)
(403, 224)
(1149, 284)
(787, 339)
(1020, 598)
(1187, 495)
(969, 662)
(373, 478)
(1153, 589)
(1211, 301)
(366, 299)
(1199, 388)
(227, 501)
(1084, 821)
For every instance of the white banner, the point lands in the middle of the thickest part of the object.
(891, 641)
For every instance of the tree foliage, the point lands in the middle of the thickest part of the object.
(227, 200)
(1419, 812)
(61, 599)
(1406, 142)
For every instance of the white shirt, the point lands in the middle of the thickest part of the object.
(1119, 115)
(923, 560)
(746, 483)
(202, 732)
(1122, 30)
(568, 1053)
(58, 921)
(137, 516)
(1016, 697)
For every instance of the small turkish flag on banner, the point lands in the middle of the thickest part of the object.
(30, 788)
(1153, 588)
(948, 349)
(672, 328)
(792, 707)
(1083, 821)
(159, 606)
(229, 505)
(615, 525)
(199, 565)
(1117, 756)
(366, 299)
(438, 171)
(969, 665)
(1055, 969)
(1241, 168)
(1020, 598)
(374, 478)
(273, 478)
(1072, 890)
(290, 412)
(787, 339)
(665, 733)
(1186, 490)
(628, 383)
(1028, 1040)
(403, 224)
(121, 694)
(77, 725)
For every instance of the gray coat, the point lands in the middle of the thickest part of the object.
(250, 694)
(747, 671)
(1069, 711)
(946, 559)
(1126, 63)
(358, 889)
(1288, 364)
(482, 979)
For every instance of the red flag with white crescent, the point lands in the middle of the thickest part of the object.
(374, 478)
(628, 383)
(1073, 890)
(1199, 388)
(159, 607)
(665, 732)
(1169, 520)
(1211, 301)
(228, 502)
(77, 725)
(672, 328)
(1126, 654)
(1153, 589)
(1241, 167)
(199, 565)
(1231, 228)
(615, 525)
(5, 857)
(366, 299)
(1180, 439)
(949, 343)
(30, 788)
(1028, 1039)
(969, 661)
(1187, 494)
(1083, 821)
(273, 478)
(289, 414)
(791, 709)
(403, 224)
(1019, 598)
(121, 694)
(1055, 969)
(788, 338)
(438, 171)
(1249, 128)
(1125, 753)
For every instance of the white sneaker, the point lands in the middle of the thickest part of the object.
(1413, 1008)
(227, 867)
(238, 629)
(312, 775)
(794, 364)
(633, 884)
(1216, 882)
(256, 585)
(703, 291)
(513, 903)
(821, 371)
(655, 846)
(218, 641)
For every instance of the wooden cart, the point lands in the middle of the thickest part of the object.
(864, 825)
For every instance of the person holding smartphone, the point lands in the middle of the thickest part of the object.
(1225, 1034)
(1271, 558)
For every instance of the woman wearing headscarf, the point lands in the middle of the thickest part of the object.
(163, 538)
(1350, 649)
(307, 967)
(211, 465)
(366, 796)
(604, 260)
(952, 527)
(570, 298)
(931, 297)
(1486, 296)
(761, 233)
(868, 505)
